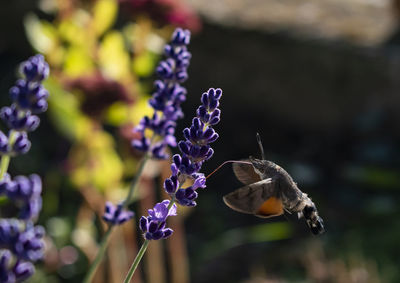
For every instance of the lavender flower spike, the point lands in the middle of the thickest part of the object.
(167, 98)
(21, 242)
(195, 149)
(29, 97)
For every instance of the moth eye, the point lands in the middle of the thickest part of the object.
(308, 210)
(318, 227)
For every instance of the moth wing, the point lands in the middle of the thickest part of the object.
(260, 198)
(245, 173)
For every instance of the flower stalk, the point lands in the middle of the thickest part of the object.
(105, 240)
(166, 101)
(142, 251)
(195, 150)
(100, 254)
(5, 159)
(135, 182)
(136, 261)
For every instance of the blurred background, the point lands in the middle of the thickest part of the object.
(318, 79)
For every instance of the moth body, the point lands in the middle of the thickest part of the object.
(269, 191)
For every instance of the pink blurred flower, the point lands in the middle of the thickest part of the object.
(172, 12)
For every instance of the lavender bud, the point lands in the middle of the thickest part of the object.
(171, 184)
(180, 36)
(21, 144)
(167, 233)
(35, 68)
(23, 270)
(4, 146)
(143, 224)
(115, 215)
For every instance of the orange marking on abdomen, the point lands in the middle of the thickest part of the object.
(272, 206)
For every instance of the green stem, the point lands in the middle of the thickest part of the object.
(135, 181)
(104, 241)
(136, 262)
(141, 252)
(99, 256)
(171, 202)
(5, 159)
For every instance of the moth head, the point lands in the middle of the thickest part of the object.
(314, 221)
(317, 227)
(259, 165)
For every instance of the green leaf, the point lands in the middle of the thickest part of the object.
(78, 62)
(104, 14)
(117, 113)
(95, 162)
(64, 111)
(41, 34)
(144, 64)
(113, 57)
(73, 30)
(122, 113)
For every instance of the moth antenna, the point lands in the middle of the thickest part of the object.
(228, 161)
(261, 146)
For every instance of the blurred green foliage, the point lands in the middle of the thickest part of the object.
(80, 43)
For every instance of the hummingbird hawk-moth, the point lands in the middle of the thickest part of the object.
(269, 191)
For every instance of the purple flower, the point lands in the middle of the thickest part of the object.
(29, 97)
(28, 93)
(29, 244)
(35, 69)
(23, 270)
(186, 196)
(18, 120)
(171, 184)
(167, 98)
(4, 146)
(21, 243)
(115, 214)
(153, 226)
(5, 184)
(6, 275)
(14, 272)
(160, 211)
(195, 149)
(166, 101)
(23, 239)
(21, 144)
(25, 188)
(25, 194)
